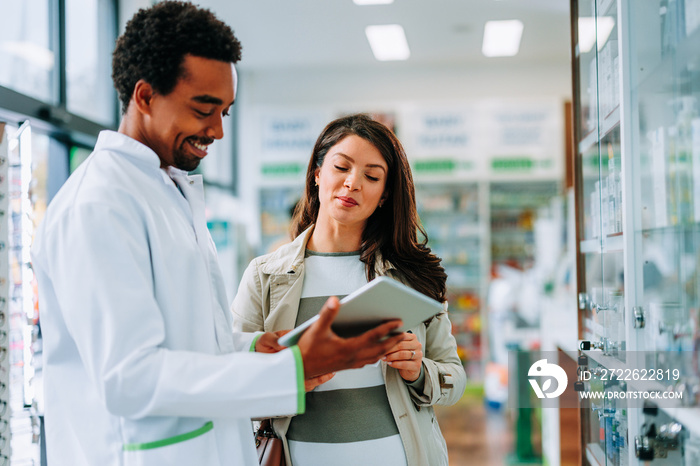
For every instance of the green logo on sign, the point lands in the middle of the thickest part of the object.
(512, 164)
(282, 169)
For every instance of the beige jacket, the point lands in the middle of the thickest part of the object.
(268, 300)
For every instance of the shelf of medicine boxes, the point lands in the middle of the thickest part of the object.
(615, 242)
(275, 214)
(689, 416)
(609, 243)
(513, 208)
(606, 70)
(512, 235)
(654, 76)
(607, 124)
(450, 216)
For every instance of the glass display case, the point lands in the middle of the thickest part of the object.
(636, 72)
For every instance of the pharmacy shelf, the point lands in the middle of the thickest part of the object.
(611, 243)
(609, 123)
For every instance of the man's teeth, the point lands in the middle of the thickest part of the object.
(199, 146)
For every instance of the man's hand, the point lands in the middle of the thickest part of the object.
(323, 351)
(407, 357)
(267, 343)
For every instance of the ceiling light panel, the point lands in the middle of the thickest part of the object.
(373, 2)
(388, 42)
(502, 38)
(587, 32)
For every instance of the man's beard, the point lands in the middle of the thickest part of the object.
(185, 162)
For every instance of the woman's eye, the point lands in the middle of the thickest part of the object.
(342, 169)
(372, 178)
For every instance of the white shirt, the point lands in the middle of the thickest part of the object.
(348, 418)
(139, 362)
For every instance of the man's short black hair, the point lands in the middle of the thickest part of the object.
(156, 40)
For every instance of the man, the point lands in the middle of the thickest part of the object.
(141, 365)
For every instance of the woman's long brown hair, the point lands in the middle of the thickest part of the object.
(392, 229)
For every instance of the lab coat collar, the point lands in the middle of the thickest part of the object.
(117, 142)
(123, 144)
(181, 176)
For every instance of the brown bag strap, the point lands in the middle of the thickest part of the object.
(265, 429)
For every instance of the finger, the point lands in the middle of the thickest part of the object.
(273, 342)
(321, 379)
(310, 384)
(383, 330)
(267, 343)
(404, 355)
(406, 346)
(281, 333)
(327, 314)
(405, 365)
(373, 351)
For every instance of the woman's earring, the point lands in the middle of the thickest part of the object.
(317, 183)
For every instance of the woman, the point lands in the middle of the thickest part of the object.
(357, 220)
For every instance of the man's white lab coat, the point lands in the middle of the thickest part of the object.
(141, 366)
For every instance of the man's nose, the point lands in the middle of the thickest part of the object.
(216, 128)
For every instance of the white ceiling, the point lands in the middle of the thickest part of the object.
(330, 33)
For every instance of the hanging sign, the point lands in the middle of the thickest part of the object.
(437, 132)
(287, 138)
(522, 138)
(290, 134)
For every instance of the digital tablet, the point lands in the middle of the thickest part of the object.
(381, 300)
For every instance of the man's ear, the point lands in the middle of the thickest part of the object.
(142, 96)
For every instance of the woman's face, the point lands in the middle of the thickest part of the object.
(351, 182)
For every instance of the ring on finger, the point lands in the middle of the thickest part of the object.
(413, 354)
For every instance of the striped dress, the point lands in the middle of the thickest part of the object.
(348, 420)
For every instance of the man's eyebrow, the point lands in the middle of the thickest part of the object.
(207, 99)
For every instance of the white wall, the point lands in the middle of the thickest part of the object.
(402, 83)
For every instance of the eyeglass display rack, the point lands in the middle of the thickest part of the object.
(637, 137)
(4, 320)
(20, 343)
